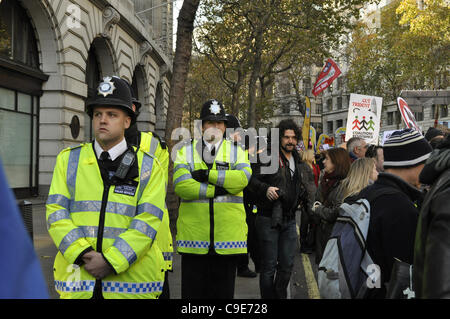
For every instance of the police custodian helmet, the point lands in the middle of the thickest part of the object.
(213, 110)
(112, 91)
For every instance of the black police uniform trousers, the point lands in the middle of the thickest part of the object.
(209, 276)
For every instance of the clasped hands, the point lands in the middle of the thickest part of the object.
(96, 265)
(202, 175)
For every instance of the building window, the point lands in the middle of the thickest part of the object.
(20, 88)
(339, 123)
(285, 88)
(339, 103)
(329, 104)
(418, 115)
(17, 40)
(307, 86)
(18, 138)
(390, 118)
(330, 127)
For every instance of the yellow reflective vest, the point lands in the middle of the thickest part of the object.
(78, 199)
(150, 144)
(206, 222)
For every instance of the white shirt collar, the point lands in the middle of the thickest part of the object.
(114, 152)
(209, 145)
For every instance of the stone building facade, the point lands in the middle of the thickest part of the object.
(53, 55)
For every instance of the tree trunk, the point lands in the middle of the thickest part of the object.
(177, 91)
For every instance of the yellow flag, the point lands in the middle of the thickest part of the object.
(306, 123)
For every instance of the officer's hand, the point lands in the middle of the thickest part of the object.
(220, 191)
(96, 265)
(200, 175)
(272, 193)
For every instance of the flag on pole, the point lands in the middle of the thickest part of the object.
(329, 72)
(306, 123)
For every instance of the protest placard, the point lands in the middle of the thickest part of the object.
(363, 119)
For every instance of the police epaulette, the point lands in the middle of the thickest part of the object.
(162, 142)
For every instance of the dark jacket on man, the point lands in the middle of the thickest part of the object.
(290, 185)
(431, 277)
(392, 228)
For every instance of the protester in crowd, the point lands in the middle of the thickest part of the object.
(309, 158)
(435, 141)
(393, 216)
(376, 152)
(362, 173)
(329, 196)
(433, 132)
(275, 222)
(432, 243)
(356, 147)
(310, 172)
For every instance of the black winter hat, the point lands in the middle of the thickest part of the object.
(405, 148)
(212, 110)
(115, 92)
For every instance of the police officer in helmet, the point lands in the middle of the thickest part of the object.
(95, 212)
(209, 176)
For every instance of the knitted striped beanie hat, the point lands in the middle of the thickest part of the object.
(405, 148)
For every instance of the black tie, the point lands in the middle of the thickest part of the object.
(105, 157)
(213, 151)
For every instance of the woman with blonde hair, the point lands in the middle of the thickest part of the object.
(309, 158)
(362, 172)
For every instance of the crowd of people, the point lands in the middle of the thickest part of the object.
(344, 175)
(107, 216)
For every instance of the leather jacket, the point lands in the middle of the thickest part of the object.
(431, 276)
(291, 187)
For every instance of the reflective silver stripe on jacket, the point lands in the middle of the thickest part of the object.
(219, 199)
(58, 199)
(126, 250)
(190, 157)
(144, 228)
(146, 172)
(95, 206)
(72, 167)
(182, 178)
(151, 209)
(203, 190)
(69, 239)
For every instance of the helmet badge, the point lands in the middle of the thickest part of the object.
(106, 87)
(214, 107)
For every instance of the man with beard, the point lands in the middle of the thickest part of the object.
(275, 222)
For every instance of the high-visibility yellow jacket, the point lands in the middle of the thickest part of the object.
(150, 144)
(205, 222)
(76, 199)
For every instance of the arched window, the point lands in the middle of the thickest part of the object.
(92, 81)
(20, 88)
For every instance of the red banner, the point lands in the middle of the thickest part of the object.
(329, 72)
